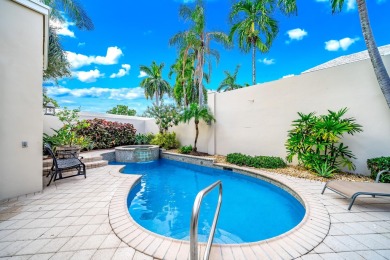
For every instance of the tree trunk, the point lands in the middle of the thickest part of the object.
(183, 78)
(253, 62)
(157, 101)
(196, 136)
(376, 59)
(200, 76)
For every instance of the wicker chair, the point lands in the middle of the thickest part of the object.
(60, 165)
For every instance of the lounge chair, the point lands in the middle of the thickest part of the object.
(60, 165)
(352, 190)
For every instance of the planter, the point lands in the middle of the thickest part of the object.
(64, 152)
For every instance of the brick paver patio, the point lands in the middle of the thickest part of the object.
(69, 220)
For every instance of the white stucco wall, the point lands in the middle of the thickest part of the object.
(22, 30)
(255, 120)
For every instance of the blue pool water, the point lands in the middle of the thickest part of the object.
(251, 210)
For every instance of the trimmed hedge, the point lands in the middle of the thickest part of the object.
(379, 164)
(166, 140)
(269, 162)
(106, 134)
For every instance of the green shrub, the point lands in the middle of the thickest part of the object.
(106, 134)
(269, 162)
(143, 138)
(379, 164)
(324, 170)
(315, 140)
(185, 149)
(166, 140)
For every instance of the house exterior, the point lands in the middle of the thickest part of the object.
(23, 56)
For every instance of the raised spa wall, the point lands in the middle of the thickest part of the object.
(137, 153)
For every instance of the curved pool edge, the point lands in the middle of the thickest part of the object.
(296, 242)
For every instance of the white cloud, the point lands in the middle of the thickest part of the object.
(115, 94)
(335, 45)
(142, 74)
(288, 76)
(62, 28)
(122, 72)
(351, 5)
(78, 60)
(267, 61)
(88, 76)
(296, 34)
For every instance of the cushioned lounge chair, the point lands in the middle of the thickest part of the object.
(61, 165)
(352, 190)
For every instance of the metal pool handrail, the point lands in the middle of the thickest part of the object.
(194, 221)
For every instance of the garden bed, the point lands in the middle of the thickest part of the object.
(294, 171)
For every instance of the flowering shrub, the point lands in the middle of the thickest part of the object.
(107, 134)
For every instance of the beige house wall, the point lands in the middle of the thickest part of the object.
(22, 31)
(255, 120)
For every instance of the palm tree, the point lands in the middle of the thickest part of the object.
(154, 84)
(197, 41)
(229, 82)
(58, 65)
(196, 112)
(255, 27)
(376, 59)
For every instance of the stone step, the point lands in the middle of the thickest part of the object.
(48, 162)
(88, 165)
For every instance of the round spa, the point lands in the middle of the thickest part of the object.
(137, 153)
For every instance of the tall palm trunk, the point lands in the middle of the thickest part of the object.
(200, 74)
(196, 136)
(253, 61)
(376, 59)
(157, 98)
(183, 78)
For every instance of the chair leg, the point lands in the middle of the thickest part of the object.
(352, 201)
(323, 190)
(84, 171)
(51, 178)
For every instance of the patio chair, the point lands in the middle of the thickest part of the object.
(60, 165)
(351, 190)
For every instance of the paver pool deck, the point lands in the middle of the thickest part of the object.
(71, 220)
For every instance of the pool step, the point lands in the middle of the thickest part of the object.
(90, 163)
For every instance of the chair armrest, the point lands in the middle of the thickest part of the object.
(378, 176)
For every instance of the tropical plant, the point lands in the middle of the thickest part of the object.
(106, 134)
(166, 116)
(154, 84)
(324, 169)
(254, 25)
(229, 82)
(166, 140)
(379, 164)
(196, 112)
(376, 59)
(185, 149)
(315, 140)
(46, 99)
(269, 162)
(197, 41)
(122, 110)
(58, 66)
(143, 138)
(63, 137)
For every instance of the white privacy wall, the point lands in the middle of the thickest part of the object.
(22, 30)
(255, 120)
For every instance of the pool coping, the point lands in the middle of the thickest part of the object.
(300, 240)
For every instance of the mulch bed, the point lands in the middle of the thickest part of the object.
(294, 171)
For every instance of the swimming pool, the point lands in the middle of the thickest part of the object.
(252, 210)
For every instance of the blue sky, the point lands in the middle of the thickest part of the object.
(105, 62)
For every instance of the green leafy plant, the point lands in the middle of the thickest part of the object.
(196, 112)
(106, 134)
(122, 110)
(323, 169)
(68, 134)
(269, 162)
(185, 149)
(166, 140)
(143, 138)
(316, 140)
(379, 164)
(166, 116)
